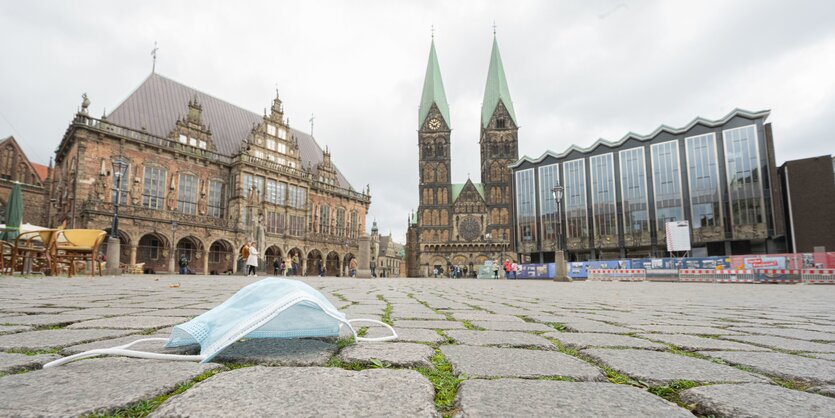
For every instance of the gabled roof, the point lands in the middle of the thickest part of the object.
(457, 188)
(41, 170)
(663, 128)
(496, 88)
(159, 101)
(433, 90)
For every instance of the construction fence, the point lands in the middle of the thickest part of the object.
(776, 276)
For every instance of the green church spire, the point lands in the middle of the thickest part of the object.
(496, 88)
(433, 90)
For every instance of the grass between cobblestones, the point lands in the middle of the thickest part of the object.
(611, 374)
(444, 381)
(32, 352)
(672, 391)
(387, 313)
(143, 408)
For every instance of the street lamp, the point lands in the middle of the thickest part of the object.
(120, 168)
(559, 254)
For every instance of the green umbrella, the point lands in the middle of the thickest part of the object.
(14, 213)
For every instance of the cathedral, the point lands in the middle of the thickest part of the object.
(462, 224)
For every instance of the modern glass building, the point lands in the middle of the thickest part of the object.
(718, 174)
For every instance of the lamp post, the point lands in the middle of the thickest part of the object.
(120, 168)
(172, 258)
(559, 254)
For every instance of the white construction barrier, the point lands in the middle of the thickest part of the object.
(779, 276)
(613, 275)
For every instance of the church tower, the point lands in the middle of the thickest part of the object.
(434, 162)
(499, 147)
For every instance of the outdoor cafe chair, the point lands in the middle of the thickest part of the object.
(78, 245)
(34, 250)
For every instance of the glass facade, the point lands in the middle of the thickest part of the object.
(604, 200)
(525, 206)
(742, 163)
(549, 177)
(703, 176)
(618, 197)
(633, 188)
(666, 180)
(576, 217)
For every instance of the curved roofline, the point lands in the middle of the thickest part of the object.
(631, 135)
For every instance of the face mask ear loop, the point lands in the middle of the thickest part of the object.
(122, 350)
(391, 337)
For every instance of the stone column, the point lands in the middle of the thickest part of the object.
(112, 257)
(364, 258)
(205, 262)
(234, 260)
(172, 260)
(133, 248)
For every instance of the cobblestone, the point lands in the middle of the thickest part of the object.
(757, 400)
(509, 369)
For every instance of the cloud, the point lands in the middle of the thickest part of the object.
(574, 76)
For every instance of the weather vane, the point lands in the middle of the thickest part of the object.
(432, 30)
(311, 123)
(494, 28)
(154, 54)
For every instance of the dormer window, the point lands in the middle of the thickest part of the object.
(500, 123)
(202, 144)
(183, 139)
(271, 129)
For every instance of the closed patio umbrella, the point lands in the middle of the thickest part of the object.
(14, 213)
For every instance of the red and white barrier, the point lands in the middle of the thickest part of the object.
(626, 275)
(818, 276)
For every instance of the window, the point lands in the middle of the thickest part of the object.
(183, 139)
(271, 144)
(271, 129)
(259, 187)
(324, 219)
(124, 184)
(742, 162)
(340, 222)
(703, 177)
(281, 193)
(272, 191)
(296, 224)
(525, 210)
(352, 227)
(153, 191)
(549, 177)
(666, 180)
(301, 198)
(216, 199)
(259, 154)
(282, 132)
(282, 148)
(192, 142)
(577, 227)
(202, 144)
(187, 196)
(500, 123)
(633, 188)
(603, 200)
(249, 183)
(275, 223)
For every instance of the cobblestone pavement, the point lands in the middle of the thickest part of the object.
(467, 348)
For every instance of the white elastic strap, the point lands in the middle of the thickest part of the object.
(393, 335)
(122, 350)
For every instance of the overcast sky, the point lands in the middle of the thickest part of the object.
(577, 71)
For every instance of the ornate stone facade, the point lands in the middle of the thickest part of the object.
(33, 178)
(204, 178)
(462, 224)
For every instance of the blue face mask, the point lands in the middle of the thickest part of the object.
(270, 308)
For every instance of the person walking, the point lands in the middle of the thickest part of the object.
(276, 266)
(252, 260)
(353, 266)
(183, 264)
(514, 268)
(495, 269)
(244, 254)
(507, 267)
(295, 264)
(283, 268)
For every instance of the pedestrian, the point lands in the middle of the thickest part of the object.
(295, 264)
(515, 268)
(321, 268)
(276, 266)
(495, 269)
(283, 268)
(435, 272)
(183, 264)
(252, 260)
(353, 266)
(244, 255)
(507, 267)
